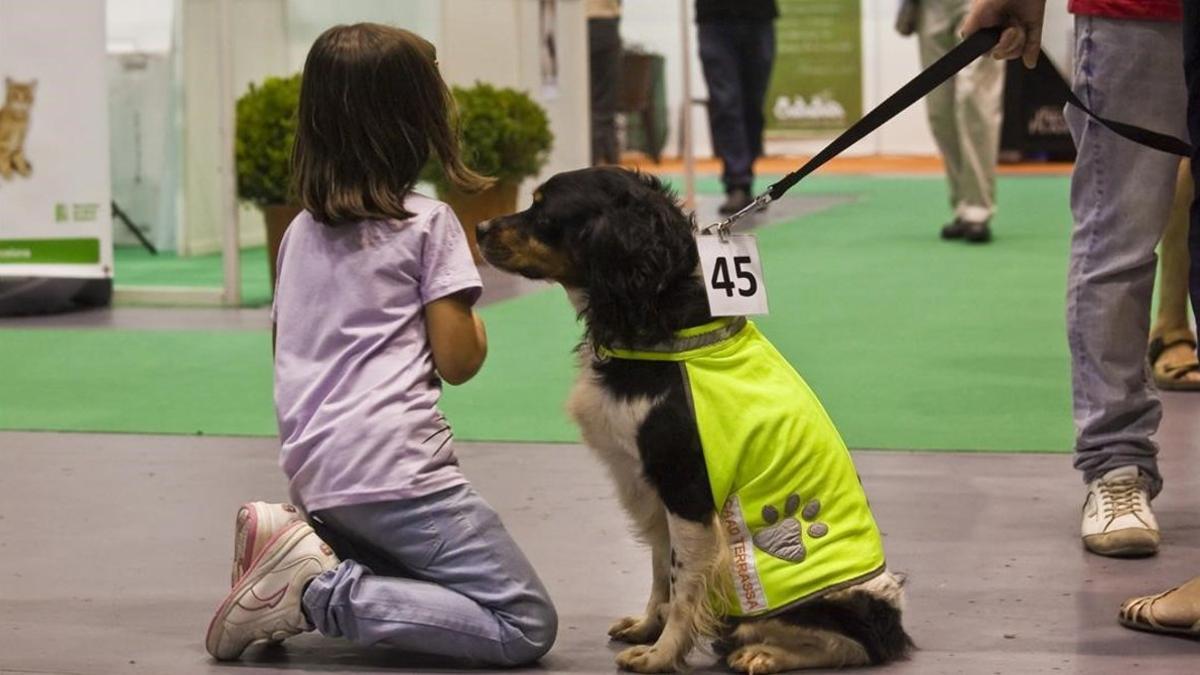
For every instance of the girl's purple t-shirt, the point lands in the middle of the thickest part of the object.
(356, 392)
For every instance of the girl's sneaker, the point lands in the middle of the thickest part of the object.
(265, 605)
(257, 523)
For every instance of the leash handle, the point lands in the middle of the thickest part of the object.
(975, 46)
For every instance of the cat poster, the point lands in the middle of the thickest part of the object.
(14, 127)
(55, 216)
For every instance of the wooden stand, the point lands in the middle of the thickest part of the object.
(277, 217)
(472, 209)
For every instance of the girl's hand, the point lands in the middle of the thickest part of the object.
(456, 337)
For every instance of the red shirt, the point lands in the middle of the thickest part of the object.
(1146, 10)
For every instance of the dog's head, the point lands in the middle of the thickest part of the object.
(617, 236)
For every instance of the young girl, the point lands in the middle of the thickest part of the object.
(372, 312)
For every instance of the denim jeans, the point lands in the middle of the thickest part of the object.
(1121, 196)
(604, 62)
(436, 575)
(736, 57)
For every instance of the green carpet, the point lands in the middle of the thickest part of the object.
(171, 382)
(135, 266)
(910, 342)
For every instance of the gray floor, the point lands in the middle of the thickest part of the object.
(114, 551)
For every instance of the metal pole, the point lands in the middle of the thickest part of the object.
(227, 210)
(685, 129)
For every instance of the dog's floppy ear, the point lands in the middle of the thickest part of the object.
(635, 250)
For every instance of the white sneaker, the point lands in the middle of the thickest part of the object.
(257, 523)
(265, 604)
(1117, 520)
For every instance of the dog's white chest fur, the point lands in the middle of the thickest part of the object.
(609, 425)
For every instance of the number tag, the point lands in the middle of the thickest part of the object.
(733, 275)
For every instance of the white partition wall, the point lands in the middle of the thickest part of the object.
(306, 19)
(259, 50)
(890, 60)
(497, 41)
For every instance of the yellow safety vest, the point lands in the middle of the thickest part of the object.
(793, 509)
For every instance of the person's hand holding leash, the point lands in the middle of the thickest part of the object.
(1022, 21)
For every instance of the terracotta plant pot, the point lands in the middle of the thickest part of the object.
(277, 217)
(472, 209)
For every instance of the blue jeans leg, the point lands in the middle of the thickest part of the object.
(758, 56)
(437, 575)
(721, 62)
(1191, 64)
(1121, 195)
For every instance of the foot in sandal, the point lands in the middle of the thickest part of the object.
(1175, 612)
(1173, 361)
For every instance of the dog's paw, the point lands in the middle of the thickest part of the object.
(636, 630)
(755, 659)
(784, 537)
(646, 659)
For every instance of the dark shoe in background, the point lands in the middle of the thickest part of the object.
(735, 200)
(955, 230)
(978, 233)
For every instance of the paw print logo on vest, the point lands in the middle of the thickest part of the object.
(784, 537)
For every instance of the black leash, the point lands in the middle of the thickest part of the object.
(975, 46)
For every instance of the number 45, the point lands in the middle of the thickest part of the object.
(721, 281)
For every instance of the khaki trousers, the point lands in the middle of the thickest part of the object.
(964, 113)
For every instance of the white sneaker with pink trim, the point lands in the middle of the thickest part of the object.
(265, 605)
(256, 523)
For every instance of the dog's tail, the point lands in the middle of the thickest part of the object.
(709, 620)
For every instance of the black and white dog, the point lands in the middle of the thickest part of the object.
(625, 253)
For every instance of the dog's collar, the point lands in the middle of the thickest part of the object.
(685, 343)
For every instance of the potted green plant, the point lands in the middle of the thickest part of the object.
(506, 135)
(266, 129)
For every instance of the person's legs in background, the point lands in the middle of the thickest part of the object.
(758, 57)
(978, 98)
(1120, 198)
(436, 575)
(604, 59)
(935, 36)
(1178, 610)
(1172, 352)
(720, 60)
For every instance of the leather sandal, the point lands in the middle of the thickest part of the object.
(1138, 614)
(1173, 377)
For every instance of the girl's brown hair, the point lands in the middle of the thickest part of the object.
(372, 107)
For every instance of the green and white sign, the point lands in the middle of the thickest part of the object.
(55, 219)
(816, 85)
